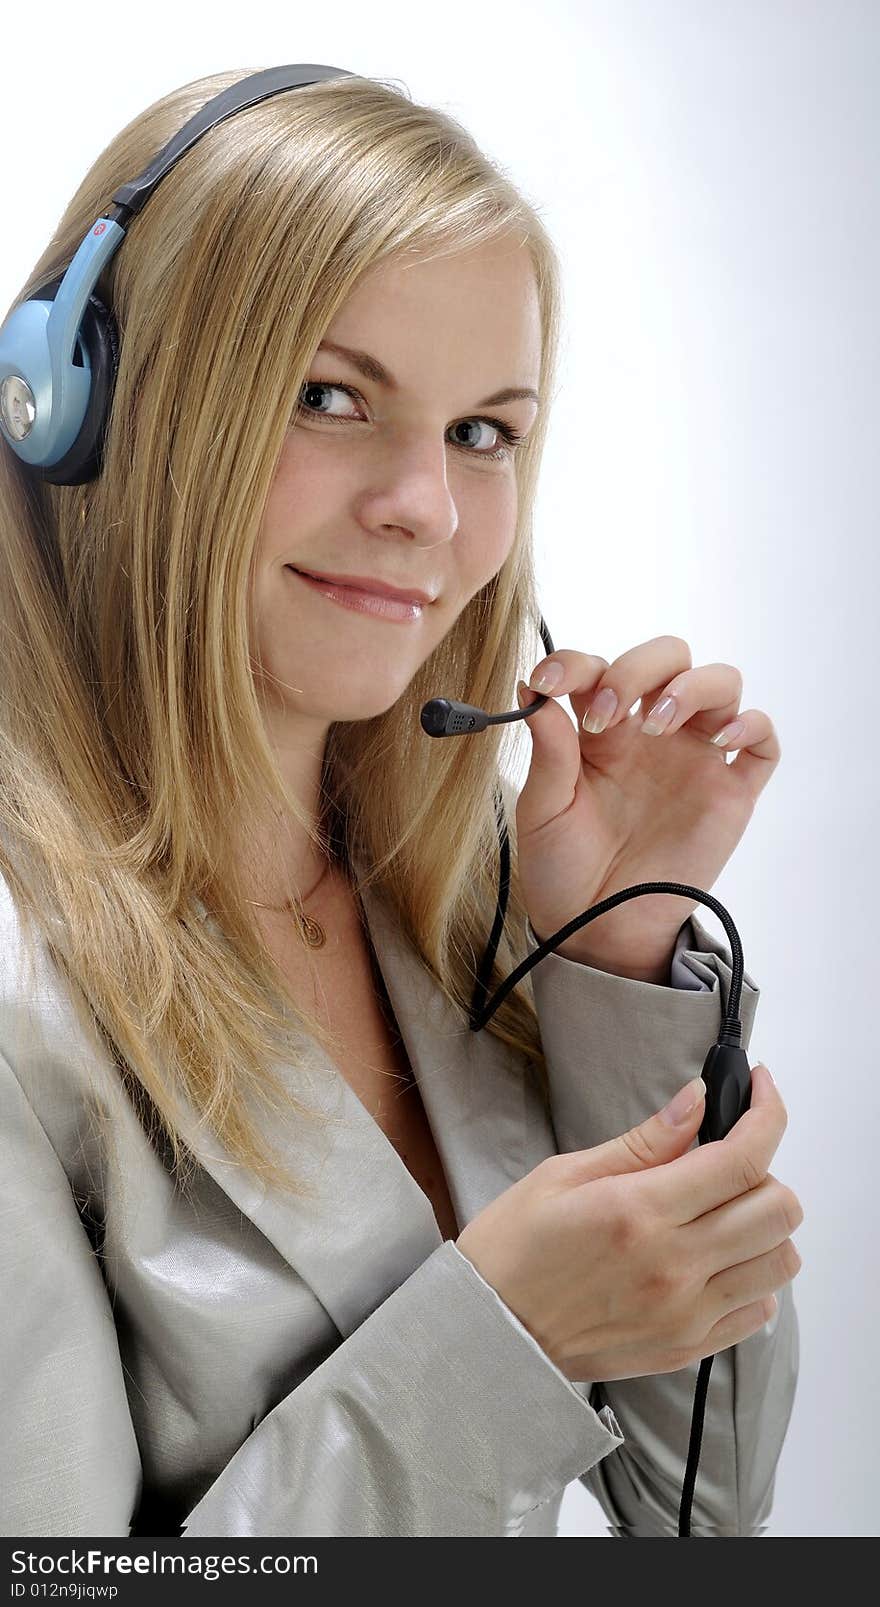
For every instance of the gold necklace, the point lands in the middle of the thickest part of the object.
(315, 935)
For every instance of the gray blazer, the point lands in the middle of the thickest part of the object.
(248, 1365)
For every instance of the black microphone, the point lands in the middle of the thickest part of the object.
(446, 717)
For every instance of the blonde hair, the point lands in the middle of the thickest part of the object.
(130, 730)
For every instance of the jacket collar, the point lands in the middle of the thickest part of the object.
(371, 1225)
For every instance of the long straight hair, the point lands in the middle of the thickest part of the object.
(131, 734)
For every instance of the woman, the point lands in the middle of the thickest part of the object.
(285, 1245)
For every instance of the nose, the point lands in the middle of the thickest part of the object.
(410, 493)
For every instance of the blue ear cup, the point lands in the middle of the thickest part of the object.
(59, 349)
(96, 361)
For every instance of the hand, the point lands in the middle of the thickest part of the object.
(600, 812)
(634, 1257)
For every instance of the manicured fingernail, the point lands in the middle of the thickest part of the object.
(544, 680)
(681, 1106)
(600, 710)
(728, 732)
(659, 717)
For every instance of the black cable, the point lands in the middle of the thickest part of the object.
(725, 1090)
(687, 1494)
(726, 1071)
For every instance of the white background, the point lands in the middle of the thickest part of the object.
(709, 173)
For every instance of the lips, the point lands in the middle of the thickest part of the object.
(366, 583)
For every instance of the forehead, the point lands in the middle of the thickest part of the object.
(477, 307)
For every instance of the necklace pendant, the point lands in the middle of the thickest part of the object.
(315, 935)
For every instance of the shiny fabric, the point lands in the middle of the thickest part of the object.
(243, 1364)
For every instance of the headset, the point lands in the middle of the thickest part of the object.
(59, 356)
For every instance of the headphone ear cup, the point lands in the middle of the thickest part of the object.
(99, 334)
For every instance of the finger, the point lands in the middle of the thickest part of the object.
(725, 1168)
(759, 751)
(696, 700)
(736, 1327)
(633, 674)
(745, 1227)
(640, 673)
(704, 699)
(732, 1287)
(579, 671)
(554, 770)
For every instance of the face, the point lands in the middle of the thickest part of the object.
(409, 483)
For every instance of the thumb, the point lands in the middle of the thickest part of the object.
(555, 763)
(661, 1138)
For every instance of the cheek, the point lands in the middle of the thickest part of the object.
(302, 493)
(487, 528)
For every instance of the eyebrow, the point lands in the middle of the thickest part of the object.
(372, 369)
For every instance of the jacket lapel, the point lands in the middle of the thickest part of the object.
(370, 1225)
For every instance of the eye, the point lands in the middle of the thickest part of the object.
(318, 385)
(510, 437)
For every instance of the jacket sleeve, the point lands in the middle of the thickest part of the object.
(681, 973)
(439, 1415)
(617, 1049)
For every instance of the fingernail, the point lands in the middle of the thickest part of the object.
(659, 717)
(600, 711)
(679, 1108)
(544, 680)
(523, 695)
(727, 733)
